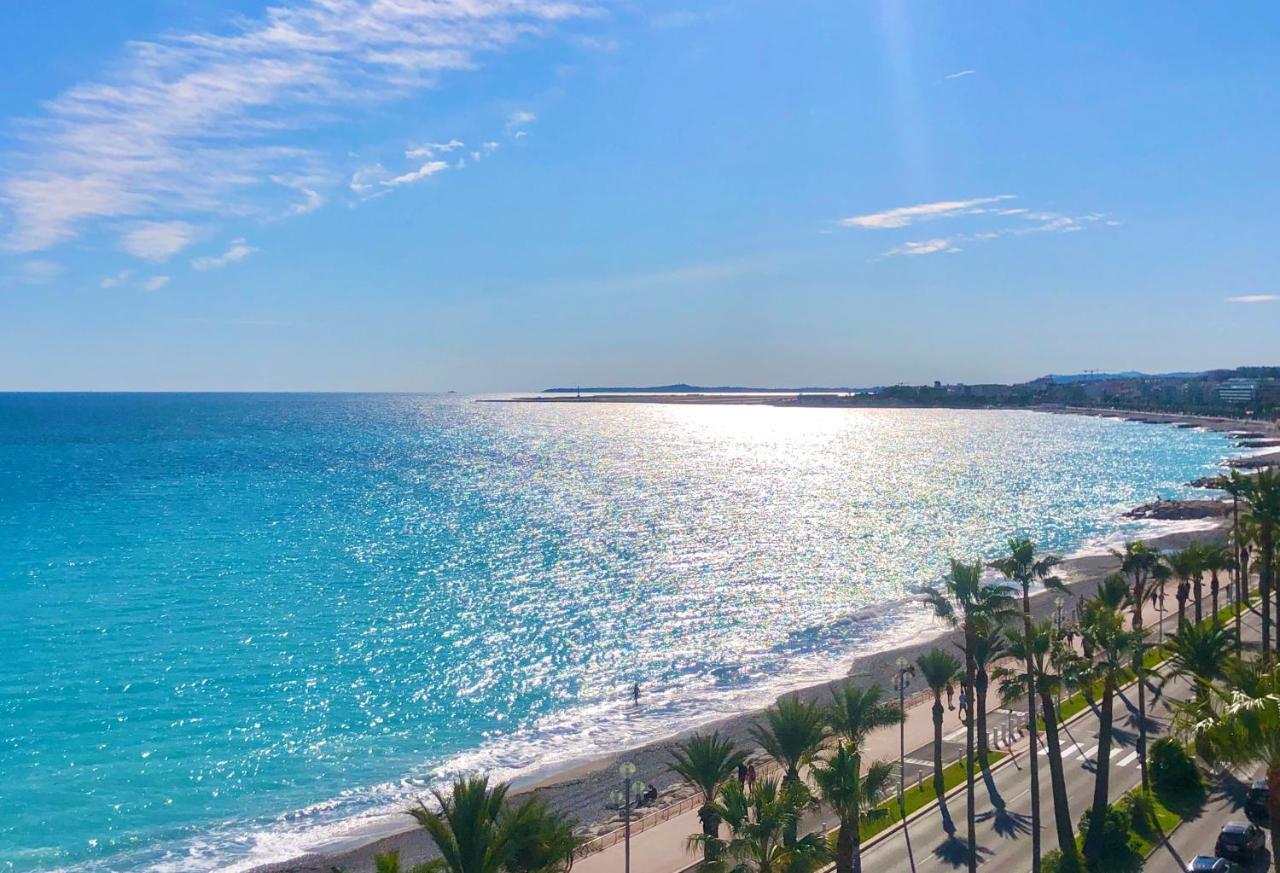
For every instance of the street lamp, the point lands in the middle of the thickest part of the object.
(1058, 600)
(623, 799)
(905, 668)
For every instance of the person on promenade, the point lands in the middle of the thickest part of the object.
(951, 690)
(742, 775)
(751, 776)
(964, 700)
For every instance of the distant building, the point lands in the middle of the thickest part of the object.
(1238, 391)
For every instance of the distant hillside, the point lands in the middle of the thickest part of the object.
(696, 389)
(1103, 377)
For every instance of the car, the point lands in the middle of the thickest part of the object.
(1255, 803)
(1240, 841)
(1207, 864)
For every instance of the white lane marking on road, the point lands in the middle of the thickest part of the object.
(1127, 759)
(1115, 752)
(918, 762)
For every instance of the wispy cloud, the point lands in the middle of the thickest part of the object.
(198, 124)
(428, 169)
(901, 216)
(35, 271)
(518, 121)
(923, 247)
(1000, 221)
(155, 283)
(431, 149)
(237, 251)
(157, 240)
(113, 281)
(960, 74)
(1254, 298)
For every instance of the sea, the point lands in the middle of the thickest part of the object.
(237, 626)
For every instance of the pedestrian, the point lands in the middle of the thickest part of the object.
(751, 776)
(635, 694)
(964, 703)
(742, 774)
(951, 690)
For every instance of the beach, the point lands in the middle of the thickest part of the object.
(582, 790)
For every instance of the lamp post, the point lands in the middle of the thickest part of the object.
(1058, 601)
(623, 799)
(905, 668)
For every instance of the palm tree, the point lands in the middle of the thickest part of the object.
(1215, 560)
(851, 794)
(705, 761)
(1187, 566)
(1036, 649)
(1143, 565)
(792, 736)
(1202, 653)
(1113, 648)
(540, 840)
(1023, 567)
(469, 830)
(939, 669)
(989, 647)
(1263, 497)
(1244, 729)
(1235, 484)
(855, 712)
(758, 825)
(962, 600)
(1246, 536)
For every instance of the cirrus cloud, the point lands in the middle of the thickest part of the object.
(198, 124)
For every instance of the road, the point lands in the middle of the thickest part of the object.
(1004, 815)
(1197, 836)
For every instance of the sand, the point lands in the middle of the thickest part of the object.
(582, 791)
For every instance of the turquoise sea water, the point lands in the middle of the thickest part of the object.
(235, 625)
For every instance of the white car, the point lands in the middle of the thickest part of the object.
(1208, 864)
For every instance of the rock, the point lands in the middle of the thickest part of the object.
(1179, 510)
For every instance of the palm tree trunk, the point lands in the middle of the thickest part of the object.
(1140, 670)
(938, 782)
(1033, 730)
(1101, 782)
(1264, 586)
(847, 860)
(855, 840)
(971, 821)
(1273, 811)
(982, 682)
(1198, 591)
(1057, 778)
(710, 829)
(1213, 590)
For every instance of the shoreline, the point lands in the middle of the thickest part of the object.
(580, 788)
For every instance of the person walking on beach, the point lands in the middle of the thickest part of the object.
(635, 694)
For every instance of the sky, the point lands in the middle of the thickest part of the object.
(492, 195)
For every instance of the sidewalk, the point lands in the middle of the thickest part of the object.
(663, 847)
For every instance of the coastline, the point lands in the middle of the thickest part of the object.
(581, 788)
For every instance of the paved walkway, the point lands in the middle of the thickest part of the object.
(663, 848)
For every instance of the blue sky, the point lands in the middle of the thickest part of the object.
(510, 194)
